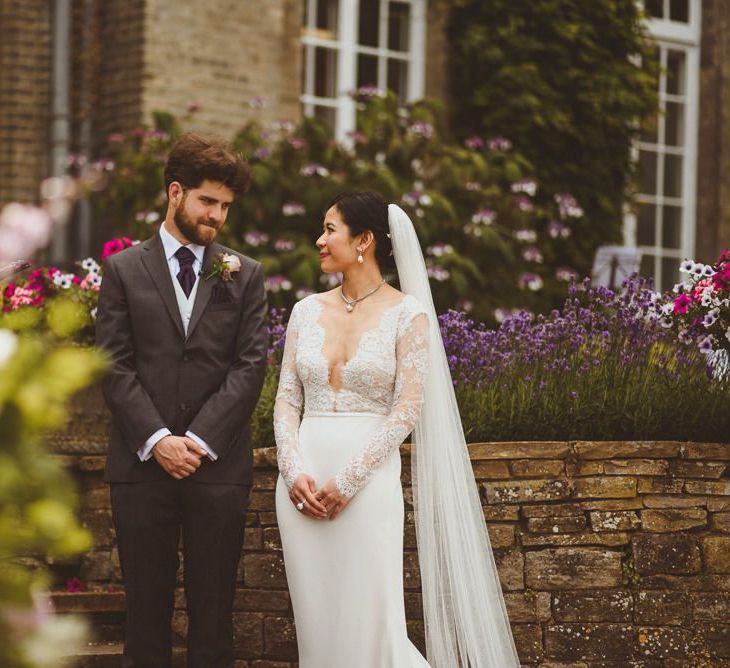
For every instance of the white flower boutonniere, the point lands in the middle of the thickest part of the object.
(224, 266)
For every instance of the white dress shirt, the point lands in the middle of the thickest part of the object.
(171, 245)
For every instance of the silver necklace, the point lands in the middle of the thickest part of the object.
(350, 303)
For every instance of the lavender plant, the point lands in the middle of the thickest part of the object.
(605, 366)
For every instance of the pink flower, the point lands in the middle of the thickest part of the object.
(699, 288)
(682, 303)
(21, 297)
(114, 246)
(75, 585)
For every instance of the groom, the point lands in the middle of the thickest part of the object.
(183, 320)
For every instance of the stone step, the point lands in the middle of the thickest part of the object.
(109, 655)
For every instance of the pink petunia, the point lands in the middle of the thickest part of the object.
(682, 303)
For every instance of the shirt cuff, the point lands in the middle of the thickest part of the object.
(202, 444)
(145, 452)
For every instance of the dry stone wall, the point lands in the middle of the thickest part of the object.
(609, 553)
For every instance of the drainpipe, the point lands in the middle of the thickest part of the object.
(60, 107)
(84, 206)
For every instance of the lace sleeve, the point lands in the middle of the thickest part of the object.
(288, 408)
(411, 369)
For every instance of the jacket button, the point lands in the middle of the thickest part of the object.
(186, 357)
(183, 407)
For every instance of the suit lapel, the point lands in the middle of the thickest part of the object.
(205, 286)
(155, 262)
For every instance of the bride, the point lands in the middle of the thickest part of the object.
(366, 363)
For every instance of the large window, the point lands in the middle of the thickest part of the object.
(352, 43)
(663, 226)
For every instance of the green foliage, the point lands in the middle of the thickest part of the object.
(569, 82)
(38, 376)
(492, 235)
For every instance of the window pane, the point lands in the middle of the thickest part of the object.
(672, 227)
(398, 79)
(325, 72)
(647, 268)
(670, 273)
(646, 226)
(647, 172)
(327, 18)
(672, 176)
(676, 61)
(367, 70)
(674, 124)
(398, 14)
(679, 10)
(327, 115)
(655, 8)
(369, 23)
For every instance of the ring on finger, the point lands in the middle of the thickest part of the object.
(300, 505)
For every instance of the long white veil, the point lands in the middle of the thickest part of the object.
(464, 612)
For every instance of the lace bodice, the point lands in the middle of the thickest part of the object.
(386, 376)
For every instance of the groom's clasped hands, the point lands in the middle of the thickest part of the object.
(179, 456)
(324, 503)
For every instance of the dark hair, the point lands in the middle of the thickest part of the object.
(367, 210)
(195, 158)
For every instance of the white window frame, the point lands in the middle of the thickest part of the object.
(683, 37)
(348, 49)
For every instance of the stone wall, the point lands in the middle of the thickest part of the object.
(610, 554)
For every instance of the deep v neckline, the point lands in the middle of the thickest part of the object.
(363, 336)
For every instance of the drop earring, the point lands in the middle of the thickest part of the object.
(360, 258)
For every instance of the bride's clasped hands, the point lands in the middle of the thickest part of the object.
(325, 503)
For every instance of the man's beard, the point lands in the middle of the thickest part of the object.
(197, 233)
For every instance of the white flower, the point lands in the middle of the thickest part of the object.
(530, 236)
(484, 217)
(233, 262)
(711, 317)
(438, 250)
(566, 274)
(90, 265)
(687, 266)
(705, 343)
(530, 281)
(527, 186)
(293, 209)
(63, 281)
(8, 344)
(255, 238)
(93, 313)
(438, 273)
(666, 322)
(668, 308)
(532, 254)
(698, 269)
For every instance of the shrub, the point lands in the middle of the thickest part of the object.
(570, 82)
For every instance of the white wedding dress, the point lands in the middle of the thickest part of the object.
(345, 576)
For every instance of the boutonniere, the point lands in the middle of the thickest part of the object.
(224, 265)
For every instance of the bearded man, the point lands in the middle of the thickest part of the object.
(183, 320)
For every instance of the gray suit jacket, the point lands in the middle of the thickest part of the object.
(208, 382)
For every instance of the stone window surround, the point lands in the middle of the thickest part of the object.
(348, 49)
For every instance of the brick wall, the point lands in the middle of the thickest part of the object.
(222, 55)
(610, 554)
(25, 57)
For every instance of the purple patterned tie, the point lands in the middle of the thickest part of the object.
(186, 275)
